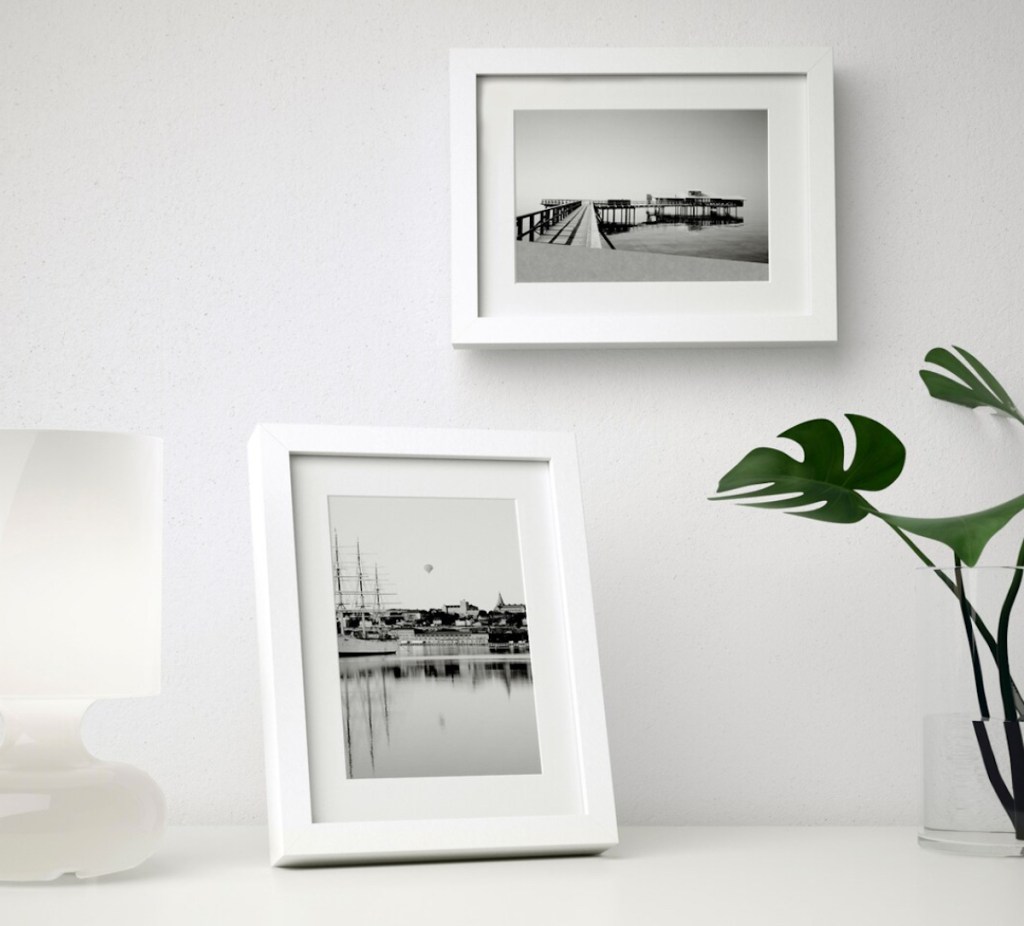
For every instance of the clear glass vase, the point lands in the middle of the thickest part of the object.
(971, 625)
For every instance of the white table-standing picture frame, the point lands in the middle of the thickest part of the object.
(318, 816)
(797, 304)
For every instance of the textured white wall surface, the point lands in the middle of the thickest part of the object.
(216, 214)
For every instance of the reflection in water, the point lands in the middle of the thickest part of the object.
(719, 237)
(692, 223)
(438, 714)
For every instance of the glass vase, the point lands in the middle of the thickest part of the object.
(972, 662)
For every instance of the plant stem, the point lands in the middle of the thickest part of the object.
(1015, 746)
(988, 759)
(1003, 640)
(1013, 704)
(972, 646)
(1014, 739)
(1011, 801)
(983, 631)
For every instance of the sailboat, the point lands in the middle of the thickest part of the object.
(360, 603)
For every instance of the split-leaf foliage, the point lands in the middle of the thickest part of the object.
(821, 487)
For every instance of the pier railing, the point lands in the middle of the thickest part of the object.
(620, 215)
(535, 223)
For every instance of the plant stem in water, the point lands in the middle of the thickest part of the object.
(992, 769)
(1014, 739)
(1006, 689)
(972, 646)
(983, 631)
(1015, 745)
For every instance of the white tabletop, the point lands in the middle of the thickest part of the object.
(672, 875)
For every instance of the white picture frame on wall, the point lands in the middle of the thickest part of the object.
(321, 808)
(514, 118)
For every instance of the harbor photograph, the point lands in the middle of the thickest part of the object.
(432, 637)
(641, 195)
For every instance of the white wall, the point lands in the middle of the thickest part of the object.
(219, 213)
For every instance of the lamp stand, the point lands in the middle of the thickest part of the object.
(61, 809)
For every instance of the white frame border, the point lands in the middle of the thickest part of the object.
(815, 322)
(295, 840)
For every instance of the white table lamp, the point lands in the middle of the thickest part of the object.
(80, 561)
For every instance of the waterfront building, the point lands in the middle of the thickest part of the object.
(504, 607)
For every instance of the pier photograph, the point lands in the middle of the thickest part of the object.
(433, 638)
(641, 195)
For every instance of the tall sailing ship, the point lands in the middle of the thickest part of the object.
(357, 609)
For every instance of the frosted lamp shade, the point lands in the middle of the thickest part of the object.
(80, 555)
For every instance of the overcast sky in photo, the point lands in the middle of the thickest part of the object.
(472, 545)
(626, 154)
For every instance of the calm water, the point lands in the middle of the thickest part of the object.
(748, 241)
(439, 713)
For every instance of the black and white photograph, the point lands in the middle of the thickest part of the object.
(641, 195)
(433, 638)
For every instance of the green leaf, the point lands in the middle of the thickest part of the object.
(973, 388)
(966, 535)
(820, 477)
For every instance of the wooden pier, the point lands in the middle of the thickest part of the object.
(532, 225)
(617, 213)
(575, 223)
(694, 205)
(588, 223)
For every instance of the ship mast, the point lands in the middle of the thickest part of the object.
(360, 598)
(339, 597)
(359, 576)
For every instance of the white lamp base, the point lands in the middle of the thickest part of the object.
(63, 811)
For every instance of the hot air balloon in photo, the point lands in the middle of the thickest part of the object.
(428, 569)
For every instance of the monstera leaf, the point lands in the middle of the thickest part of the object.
(973, 388)
(820, 477)
(965, 535)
